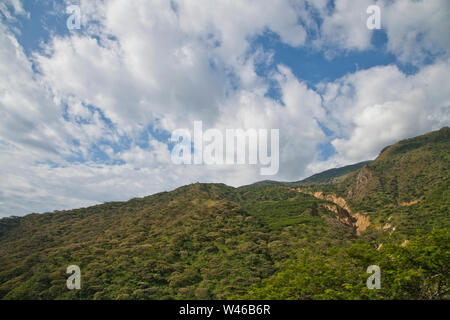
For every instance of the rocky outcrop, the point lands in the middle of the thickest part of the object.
(407, 204)
(366, 181)
(362, 222)
(332, 198)
(342, 216)
(359, 221)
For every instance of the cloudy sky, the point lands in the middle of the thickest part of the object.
(86, 115)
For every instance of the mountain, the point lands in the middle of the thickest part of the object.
(332, 175)
(328, 176)
(312, 239)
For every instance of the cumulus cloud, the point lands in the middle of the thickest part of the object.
(344, 26)
(86, 119)
(150, 64)
(30, 118)
(373, 108)
(415, 29)
(422, 30)
(10, 8)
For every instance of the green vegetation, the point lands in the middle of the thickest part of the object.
(329, 176)
(264, 241)
(332, 175)
(417, 271)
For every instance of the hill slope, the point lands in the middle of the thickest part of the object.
(329, 176)
(332, 175)
(198, 241)
(404, 197)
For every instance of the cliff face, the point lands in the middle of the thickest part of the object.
(358, 221)
(366, 183)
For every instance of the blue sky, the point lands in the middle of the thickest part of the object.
(90, 112)
(311, 65)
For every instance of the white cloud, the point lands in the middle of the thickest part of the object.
(165, 64)
(422, 30)
(373, 108)
(10, 8)
(344, 27)
(30, 117)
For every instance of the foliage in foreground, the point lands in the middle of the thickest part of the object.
(418, 270)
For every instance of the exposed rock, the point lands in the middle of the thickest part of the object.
(329, 197)
(407, 204)
(362, 222)
(366, 181)
(358, 221)
(342, 216)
